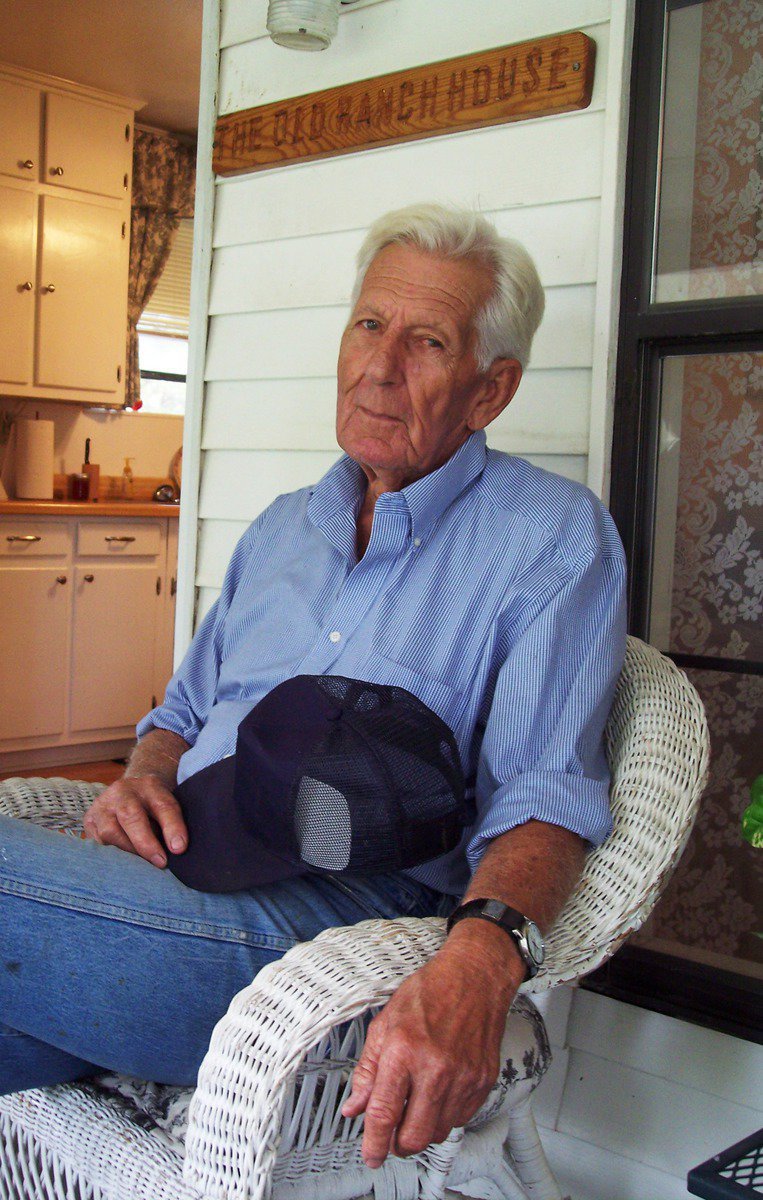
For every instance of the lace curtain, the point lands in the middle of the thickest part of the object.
(164, 177)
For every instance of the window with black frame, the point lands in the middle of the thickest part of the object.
(687, 485)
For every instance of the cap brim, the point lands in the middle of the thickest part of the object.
(222, 854)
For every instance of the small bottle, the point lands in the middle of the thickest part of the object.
(128, 481)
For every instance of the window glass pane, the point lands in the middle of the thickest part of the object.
(709, 211)
(707, 601)
(169, 355)
(165, 396)
(707, 585)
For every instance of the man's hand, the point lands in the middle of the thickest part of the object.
(133, 811)
(432, 1054)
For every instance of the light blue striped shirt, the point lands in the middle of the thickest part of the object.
(490, 589)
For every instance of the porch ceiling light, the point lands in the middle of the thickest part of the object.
(303, 24)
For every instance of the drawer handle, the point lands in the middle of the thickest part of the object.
(57, 171)
(23, 537)
(60, 579)
(123, 538)
(89, 578)
(27, 164)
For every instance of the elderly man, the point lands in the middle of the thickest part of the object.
(489, 589)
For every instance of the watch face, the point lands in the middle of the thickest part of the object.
(534, 942)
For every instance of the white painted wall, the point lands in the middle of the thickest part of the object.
(149, 439)
(283, 244)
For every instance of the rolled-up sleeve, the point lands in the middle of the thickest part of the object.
(190, 693)
(542, 755)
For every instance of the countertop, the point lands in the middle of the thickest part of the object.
(84, 508)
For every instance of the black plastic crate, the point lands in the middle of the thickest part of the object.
(734, 1174)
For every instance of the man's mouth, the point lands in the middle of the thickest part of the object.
(377, 416)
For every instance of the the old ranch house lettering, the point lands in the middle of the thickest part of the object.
(550, 75)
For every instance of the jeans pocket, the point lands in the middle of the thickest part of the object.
(389, 896)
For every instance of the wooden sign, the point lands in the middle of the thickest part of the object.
(530, 79)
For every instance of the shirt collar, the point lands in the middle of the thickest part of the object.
(342, 488)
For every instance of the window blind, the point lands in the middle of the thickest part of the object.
(167, 310)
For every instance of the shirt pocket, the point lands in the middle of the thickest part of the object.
(447, 701)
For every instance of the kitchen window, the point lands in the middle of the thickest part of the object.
(163, 331)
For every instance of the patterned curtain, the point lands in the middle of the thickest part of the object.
(164, 177)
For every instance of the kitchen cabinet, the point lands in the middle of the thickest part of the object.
(65, 177)
(86, 621)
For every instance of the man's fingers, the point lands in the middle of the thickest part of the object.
(364, 1075)
(134, 820)
(384, 1110)
(167, 813)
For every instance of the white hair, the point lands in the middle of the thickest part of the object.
(506, 323)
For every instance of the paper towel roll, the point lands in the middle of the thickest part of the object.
(34, 459)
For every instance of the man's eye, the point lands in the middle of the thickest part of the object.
(433, 342)
(370, 324)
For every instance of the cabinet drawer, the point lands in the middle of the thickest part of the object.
(119, 539)
(26, 537)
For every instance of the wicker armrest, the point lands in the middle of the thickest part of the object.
(236, 1115)
(55, 803)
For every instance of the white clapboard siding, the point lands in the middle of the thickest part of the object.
(395, 37)
(549, 413)
(285, 242)
(320, 269)
(305, 342)
(530, 163)
(238, 484)
(217, 541)
(205, 598)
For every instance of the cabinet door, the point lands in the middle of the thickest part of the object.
(87, 146)
(33, 650)
(18, 235)
(81, 334)
(115, 613)
(19, 130)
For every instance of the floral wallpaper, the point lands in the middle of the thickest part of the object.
(713, 901)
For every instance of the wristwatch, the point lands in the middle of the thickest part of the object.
(525, 934)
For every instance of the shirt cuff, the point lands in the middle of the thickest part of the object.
(573, 802)
(164, 718)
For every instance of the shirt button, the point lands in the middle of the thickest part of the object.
(334, 636)
(417, 542)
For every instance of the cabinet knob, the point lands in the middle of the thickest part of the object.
(60, 579)
(27, 287)
(89, 578)
(49, 287)
(27, 164)
(56, 170)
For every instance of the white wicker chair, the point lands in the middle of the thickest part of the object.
(265, 1118)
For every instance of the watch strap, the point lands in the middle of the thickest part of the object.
(511, 920)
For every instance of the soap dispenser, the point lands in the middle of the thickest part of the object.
(128, 481)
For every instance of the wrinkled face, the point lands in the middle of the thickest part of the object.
(408, 384)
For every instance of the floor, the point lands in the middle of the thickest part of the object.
(93, 772)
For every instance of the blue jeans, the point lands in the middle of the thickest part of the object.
(107, 962)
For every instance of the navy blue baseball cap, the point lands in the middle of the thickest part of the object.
(330, 775)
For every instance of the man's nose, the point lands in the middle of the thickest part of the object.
(385, 364)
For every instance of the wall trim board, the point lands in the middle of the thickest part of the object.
(611, 234)
(201, 266)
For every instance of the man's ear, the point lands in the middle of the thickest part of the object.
(500, 382)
